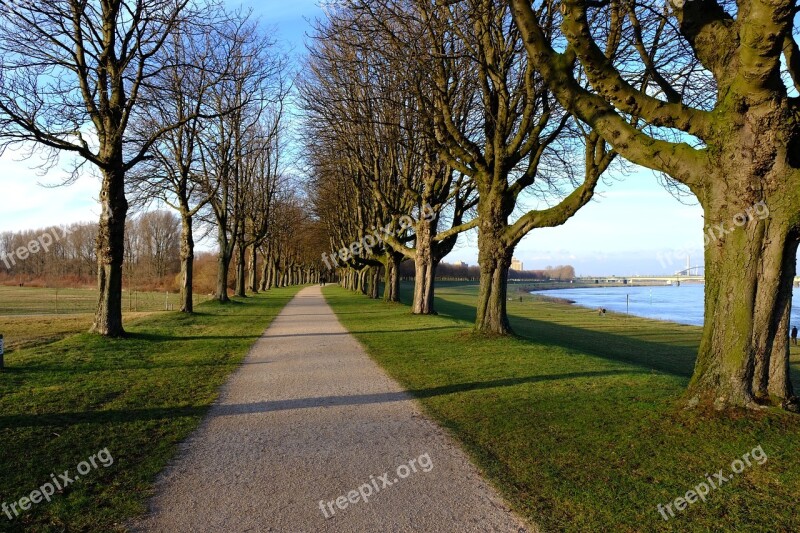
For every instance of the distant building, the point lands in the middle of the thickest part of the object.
(517, 265)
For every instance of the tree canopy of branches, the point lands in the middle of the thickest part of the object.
(75, 74)
(373, 152)
(705, 92)
(490, 118)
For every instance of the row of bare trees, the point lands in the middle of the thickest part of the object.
(422, 105)
(486, 108)
(179, 102)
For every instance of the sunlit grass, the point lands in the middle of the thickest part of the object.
(579, 421)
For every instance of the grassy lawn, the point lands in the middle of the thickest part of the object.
(579, 421)
(50, 301)
(138, 398)
(37, 330)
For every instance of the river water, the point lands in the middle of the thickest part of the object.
(682, 304)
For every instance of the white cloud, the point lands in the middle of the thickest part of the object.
(28, 204)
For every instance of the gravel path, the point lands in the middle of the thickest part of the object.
(305, 427)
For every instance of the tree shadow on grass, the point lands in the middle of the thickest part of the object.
(122, 416)
(160, 337)
(219, 410)
(356, 332)
(635, 349)
(649, 354)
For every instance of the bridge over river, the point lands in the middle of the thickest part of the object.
(690, 275)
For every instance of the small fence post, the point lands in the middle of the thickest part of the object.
(2, 349)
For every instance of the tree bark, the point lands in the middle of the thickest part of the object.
(264, 284)
(391, 290)
(748, 288)
(223, 265)
(375, 283)
(773, 376)
(111, 253)
(241, 279)
(425, 269)
(362, 281)
(494, 260)
(253, 273)
(187, 263)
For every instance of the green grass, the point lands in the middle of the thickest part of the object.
(579, 420)
(16, 301)
(138, 397)
(37, 330)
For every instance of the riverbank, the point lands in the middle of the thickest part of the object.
(579, 420)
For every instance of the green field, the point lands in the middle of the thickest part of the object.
(63, 402)
(33, 316)
(54, 301)
(580, 421)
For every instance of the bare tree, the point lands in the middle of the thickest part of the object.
(172, 174)
(74, 74)
(363, 105)
(512, 139)
(697, 90)
(256, 83)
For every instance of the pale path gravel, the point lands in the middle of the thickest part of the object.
(309, 417)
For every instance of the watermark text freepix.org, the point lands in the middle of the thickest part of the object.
(704, 488)
(42, 243)
(370, 241)
(716, 232)
(375, 485)
(57, 483)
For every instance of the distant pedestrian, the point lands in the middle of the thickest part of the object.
(794, 335)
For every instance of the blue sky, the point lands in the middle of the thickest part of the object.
(634, 226)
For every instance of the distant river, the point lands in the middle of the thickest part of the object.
(682, 304)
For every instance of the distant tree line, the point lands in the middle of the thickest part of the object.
(455, 272)
(152, 253)
(69, 254)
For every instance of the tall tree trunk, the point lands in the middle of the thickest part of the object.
(494, 260)
(391, 291)
(223, 265)
(111, 254)
(253, 271)
(264, 284)
(374, 286)
(772, 374)
(241, 262)
(284, 276)
(362, 281)
(424, 268)
(747, 293)
(187, 263)
(276, 274)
